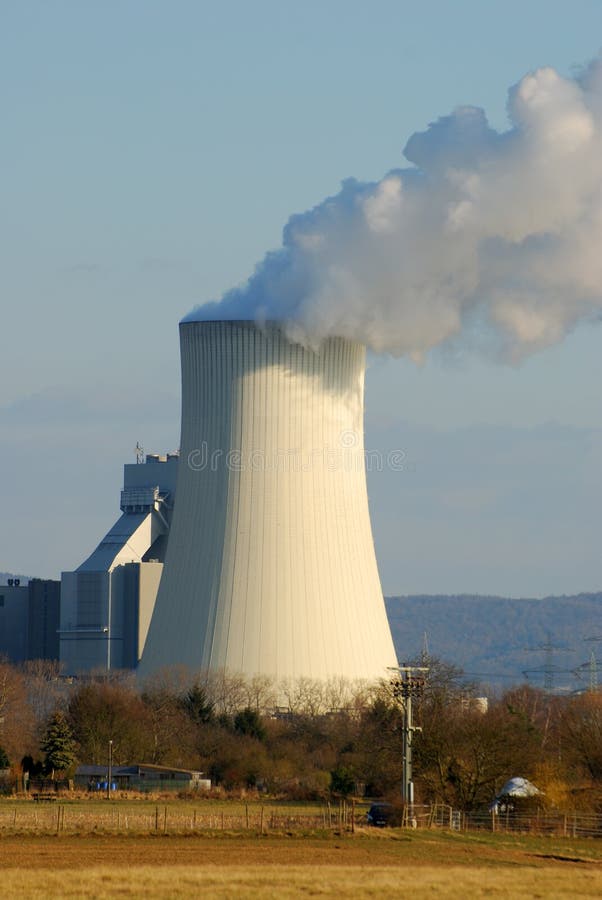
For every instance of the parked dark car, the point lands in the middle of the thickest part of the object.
(381, 814)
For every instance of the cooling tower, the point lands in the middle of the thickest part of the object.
(270, 565)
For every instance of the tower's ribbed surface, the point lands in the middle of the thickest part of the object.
(270, 565)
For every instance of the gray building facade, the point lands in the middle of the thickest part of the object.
(44, 601)
(14, 612)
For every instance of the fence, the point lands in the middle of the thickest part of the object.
(438, 815)
(58, 817)
(559, 824)
(118, 816)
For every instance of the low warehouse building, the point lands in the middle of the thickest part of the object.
(143, 777)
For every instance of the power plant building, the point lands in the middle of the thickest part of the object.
(14, 612)
(29, 619)
(270, 565)
(44, 600)
(106, 603)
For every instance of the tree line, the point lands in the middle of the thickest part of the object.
(307, 739)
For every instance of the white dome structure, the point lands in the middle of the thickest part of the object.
(270, 565)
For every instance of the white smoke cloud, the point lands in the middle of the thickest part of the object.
(488, 235)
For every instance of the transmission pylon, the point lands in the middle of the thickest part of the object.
(593, 672)
(548, 669)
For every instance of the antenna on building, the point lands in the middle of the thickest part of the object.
(139, 451)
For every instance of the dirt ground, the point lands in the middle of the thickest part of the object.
(363, 865)
(384, 848)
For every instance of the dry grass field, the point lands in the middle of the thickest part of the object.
(367, 864)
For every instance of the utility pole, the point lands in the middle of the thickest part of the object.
(408, 684)
(110, 770)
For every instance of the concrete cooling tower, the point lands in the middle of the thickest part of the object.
(270, 565)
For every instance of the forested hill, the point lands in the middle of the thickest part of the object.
(489, 637)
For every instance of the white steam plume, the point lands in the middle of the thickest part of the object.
(488, 234)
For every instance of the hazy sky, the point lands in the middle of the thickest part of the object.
(151, 153)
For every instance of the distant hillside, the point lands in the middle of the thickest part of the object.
(489, 636)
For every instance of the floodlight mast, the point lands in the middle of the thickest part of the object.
(409, 684)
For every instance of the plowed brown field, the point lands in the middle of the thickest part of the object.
(364, 865)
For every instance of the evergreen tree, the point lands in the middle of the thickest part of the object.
(58, 744)
(197, 705)
(4, 760)
(342, 780)
(248, 721)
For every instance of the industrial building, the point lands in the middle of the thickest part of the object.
(14, 612)
(251, 551)
(29, 619)
(107, 602)
(270, 565)
(144, 778)
(44, 599)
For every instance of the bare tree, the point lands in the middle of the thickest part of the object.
(103, 711)
(581, 726)
(47, 692)
(17, 731)
(261, 693)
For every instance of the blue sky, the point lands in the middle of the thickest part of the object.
(151, 153)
